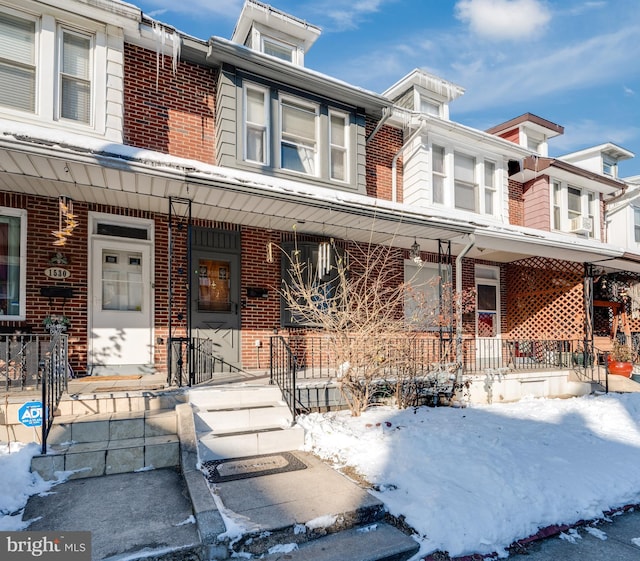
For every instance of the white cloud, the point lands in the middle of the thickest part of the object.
(588, 132)
(499, 20)
(348, 14)
(202, 8)
(628, 91)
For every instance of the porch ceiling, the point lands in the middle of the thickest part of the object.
(218, 194)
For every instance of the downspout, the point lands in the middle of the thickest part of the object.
(467, 248)
(394, 162)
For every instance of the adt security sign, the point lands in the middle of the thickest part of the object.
(30, 414)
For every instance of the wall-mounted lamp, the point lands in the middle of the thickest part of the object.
(414, 252)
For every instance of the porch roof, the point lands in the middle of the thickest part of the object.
(50, 163)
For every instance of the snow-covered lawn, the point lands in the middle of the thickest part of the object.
(469, 480)
(475, 480)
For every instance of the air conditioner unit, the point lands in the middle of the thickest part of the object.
(581, 225)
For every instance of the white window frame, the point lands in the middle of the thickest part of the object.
(489, 190)
(589, 202)
(62, 31)
(266, 40)
(339, 148)
(247, 126)
(438, 195)
(298, 143)
(22, 215)
(609, 167)
(636, 224)
(35, 62)
(462, 183)
(488, 275)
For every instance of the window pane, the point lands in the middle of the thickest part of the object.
(255, 107)
(489, 174)
(255, 145)
(487, 297)
(17, 87)
(573, 200)
(298, 122)
(338, 164)
(438, 189)
(214, 285)
(464, 168)
(121, 281)
(298, 158)
(465, 196)
(17, 39)
(75, 55)
(338, 130)
(10, 265)
(437, 156)
(76, 100)
(488, 202)
(278, 50)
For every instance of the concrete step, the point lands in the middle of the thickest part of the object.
(107, 443)
(375, 542)
(250, 443)
(233, 396)
(255, 416)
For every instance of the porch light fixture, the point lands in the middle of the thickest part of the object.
(270, 252)
(66, 221)
(414, 252)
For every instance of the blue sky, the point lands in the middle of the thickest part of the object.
(575, 63)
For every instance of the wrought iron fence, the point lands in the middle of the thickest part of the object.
(283, 370)
(54, 371)
(315, 356)
(195, 361)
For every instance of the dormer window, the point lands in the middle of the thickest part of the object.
(429, 106)
(278, 49)
(609, 167)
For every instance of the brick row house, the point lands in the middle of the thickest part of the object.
(147, 175)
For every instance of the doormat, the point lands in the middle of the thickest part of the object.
(219, 471)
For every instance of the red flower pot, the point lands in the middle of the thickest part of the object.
(620, 368)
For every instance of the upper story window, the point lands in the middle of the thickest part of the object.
(75, 76)
(278, 49)
(463, 181)
(17, 62)
(636, 225)
(296, 135)
(256, 125)
(53, 69)
(429, 107)
(609, 167)
(575, 210)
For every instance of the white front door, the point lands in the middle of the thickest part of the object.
(121, 329)
(488, 341)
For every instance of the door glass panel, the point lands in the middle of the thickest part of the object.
(214, 282)
(121, 281)
(486, 324)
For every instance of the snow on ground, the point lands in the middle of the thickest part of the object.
(469, 480)
(476, 479)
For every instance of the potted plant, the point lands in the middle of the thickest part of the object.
(620, 360)
(56, 323)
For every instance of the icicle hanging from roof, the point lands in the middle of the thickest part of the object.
(161, 35)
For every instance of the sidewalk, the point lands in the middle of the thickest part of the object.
(614, 540)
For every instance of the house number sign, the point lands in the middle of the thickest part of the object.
(57, 273)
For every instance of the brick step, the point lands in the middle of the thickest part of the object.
(107, 443)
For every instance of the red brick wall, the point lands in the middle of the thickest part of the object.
(516, 203)
(169, 113)
(380, 152)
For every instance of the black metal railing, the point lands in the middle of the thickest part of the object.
(194, 361)
(315, 356)
(283, 370)
(55, 372)
(21, 359)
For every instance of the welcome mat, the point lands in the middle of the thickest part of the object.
(219, 471)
